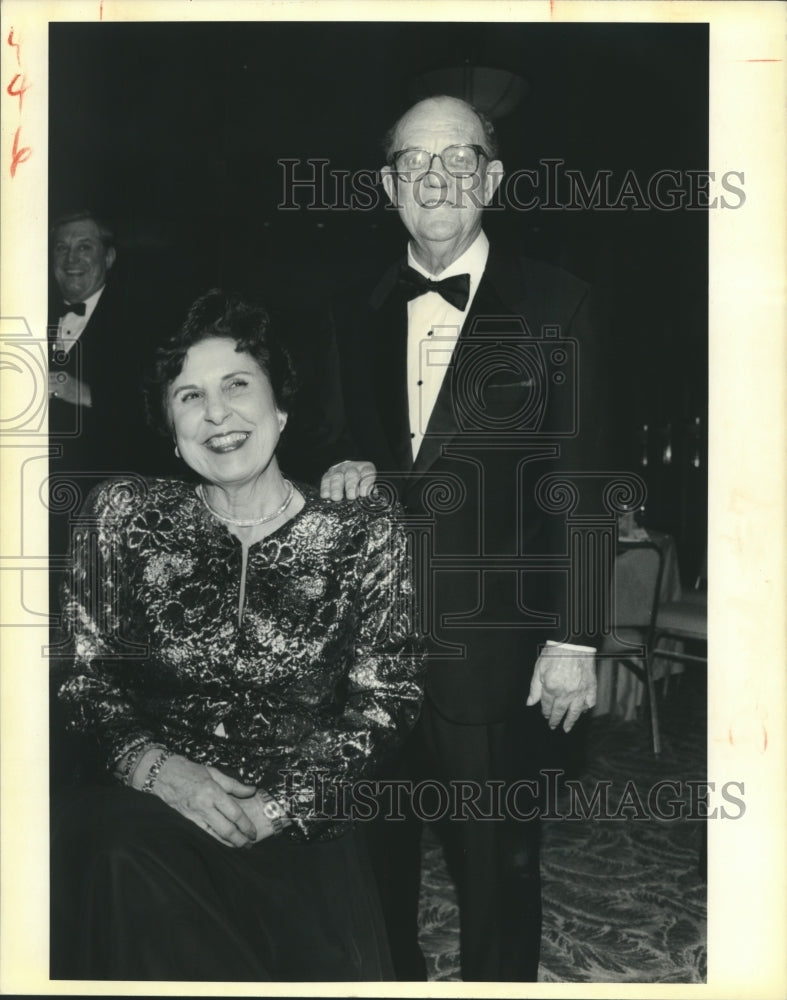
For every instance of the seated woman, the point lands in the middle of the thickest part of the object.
(241, 648)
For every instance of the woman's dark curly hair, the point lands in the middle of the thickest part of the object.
(218, 314)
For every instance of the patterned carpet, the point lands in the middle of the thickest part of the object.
(624, 899)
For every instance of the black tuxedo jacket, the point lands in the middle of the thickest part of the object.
(524, 397)
(111, 436)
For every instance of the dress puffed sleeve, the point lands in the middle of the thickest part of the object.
(106, 657)
(379, 698)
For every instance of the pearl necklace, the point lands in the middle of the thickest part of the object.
(254, 521)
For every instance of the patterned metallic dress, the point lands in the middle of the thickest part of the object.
(314, 684)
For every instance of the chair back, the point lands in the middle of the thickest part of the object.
(636, 582)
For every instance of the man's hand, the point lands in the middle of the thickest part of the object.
(564, 681)
(348, 479)
(69, 388)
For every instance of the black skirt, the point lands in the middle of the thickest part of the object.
(140, 892)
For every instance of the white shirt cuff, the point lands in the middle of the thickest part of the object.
(571, 645)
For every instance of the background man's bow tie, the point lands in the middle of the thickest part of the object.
(455, 290)
(72, 307)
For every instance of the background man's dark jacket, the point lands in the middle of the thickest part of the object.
(110, 436)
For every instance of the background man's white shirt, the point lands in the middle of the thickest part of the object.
(71, 327)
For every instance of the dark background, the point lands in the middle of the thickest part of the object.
(173, 131)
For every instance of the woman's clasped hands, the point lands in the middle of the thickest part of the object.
(232, 812)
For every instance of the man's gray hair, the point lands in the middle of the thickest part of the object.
(85, 215)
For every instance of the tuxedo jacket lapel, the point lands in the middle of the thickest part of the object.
(94, 349)
(388, 345)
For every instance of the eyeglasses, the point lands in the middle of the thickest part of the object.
(458, 161)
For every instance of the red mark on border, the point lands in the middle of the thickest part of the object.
(731, 738)
(761, 60)
(101, 11)
(20, 91)
(19, 155)
(17, 88)
(13, 44)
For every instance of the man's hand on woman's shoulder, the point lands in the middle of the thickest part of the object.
(349, 479)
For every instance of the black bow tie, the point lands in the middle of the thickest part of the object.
(455, 290)
(72, 307)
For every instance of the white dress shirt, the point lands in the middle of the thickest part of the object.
(433, 327)
(71, 327)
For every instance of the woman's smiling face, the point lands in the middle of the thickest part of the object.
(223, 413)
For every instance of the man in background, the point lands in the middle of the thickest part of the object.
(97, 354)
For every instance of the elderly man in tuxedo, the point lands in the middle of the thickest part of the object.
(467, 375)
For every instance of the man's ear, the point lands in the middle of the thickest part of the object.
(493, 175)
(109, 257)
(282, 416)
(389, 183)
